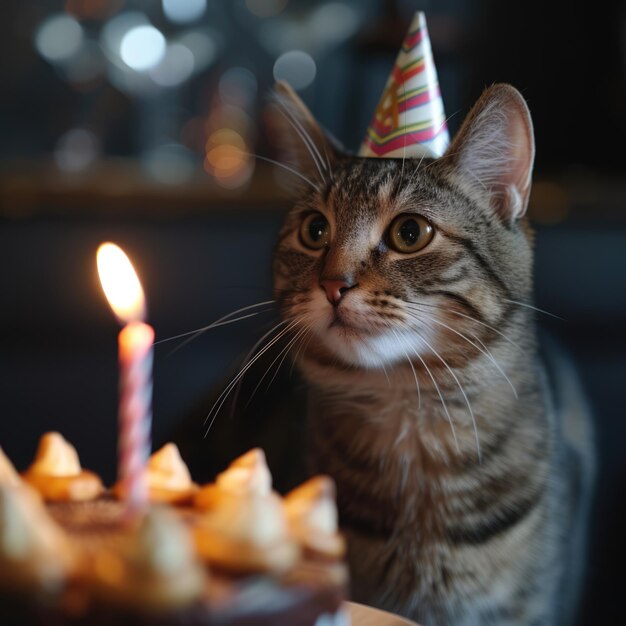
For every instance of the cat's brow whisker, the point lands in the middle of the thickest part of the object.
(469, 317)
(484, 351)
(293, 118)
(534, 308)
(285, 167)
(458, 382)
(306, 140)
(222, 397)
(443, 402)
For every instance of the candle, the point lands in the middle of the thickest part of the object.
(125, 295)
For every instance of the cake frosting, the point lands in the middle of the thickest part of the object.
(232, 552)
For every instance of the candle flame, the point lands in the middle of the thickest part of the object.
(120, 283)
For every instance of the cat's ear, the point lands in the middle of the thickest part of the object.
(304, 145)
(494, 150)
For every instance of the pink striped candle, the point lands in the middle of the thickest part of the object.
(125, 295)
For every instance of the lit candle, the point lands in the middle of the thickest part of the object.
(125, 295)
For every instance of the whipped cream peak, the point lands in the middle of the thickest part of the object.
(162, 544)
(167, 470)
(311, 506)
(55, 457)
(8, 473)
(33, 549)
(255, 520)
(247, 475)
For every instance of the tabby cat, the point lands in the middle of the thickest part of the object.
(461, 459)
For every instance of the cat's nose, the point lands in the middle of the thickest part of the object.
(335, 289)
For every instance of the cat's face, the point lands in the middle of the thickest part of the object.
(385, 261)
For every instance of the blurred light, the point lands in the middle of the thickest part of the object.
(115, 30)
(549, 202)
(238, 86)
(181, 11)
(333, 23)
(86, 65)
(92, 9)
(171, 164)
(58, 38)
(175, 67)
(228, 116)
(227, 158)
(266, 8)
(142, 47)
(120, 283)
(295, 67)
(76, 150)
(202, 46)
(193, 134)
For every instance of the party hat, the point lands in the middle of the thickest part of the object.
(409, 120)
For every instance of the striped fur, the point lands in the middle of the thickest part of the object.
(458, 461)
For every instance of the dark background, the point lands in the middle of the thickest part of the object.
(91, 151)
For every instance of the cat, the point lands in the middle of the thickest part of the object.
(463, 458)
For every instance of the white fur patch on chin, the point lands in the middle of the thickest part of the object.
(363, 349)
(373, 352)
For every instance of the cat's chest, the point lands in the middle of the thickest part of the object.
(389, 460)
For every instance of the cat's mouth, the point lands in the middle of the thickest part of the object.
(341, 324)
(342, 321)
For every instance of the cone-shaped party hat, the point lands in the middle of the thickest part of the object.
(409, 119)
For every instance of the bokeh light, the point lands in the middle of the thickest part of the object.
(92, 9)
(227, 158)
(142, 47)
(76, 150)
(182, 11)
(203, 45)
(332, 23)
(116, 29)
(295, 67)
(266, 8)
(169, 164)
(238, 86)
(58, 38)
(175, 67)
(87, 65)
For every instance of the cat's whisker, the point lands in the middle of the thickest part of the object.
(304, 343)
(246, 366)
(219, 322)
(196, 334)
(301, 334)
(469, 317)
(247, 358)
(222, 397)
(306, 140)
(285, 167)
(443, 402)
(283, 350)
(484, 351)
(417, 385)
(458, 382)
(534, 308)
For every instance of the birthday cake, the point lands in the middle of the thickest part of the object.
(232, 552)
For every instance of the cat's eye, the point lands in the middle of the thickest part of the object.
(314, 231)
(409, 233)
